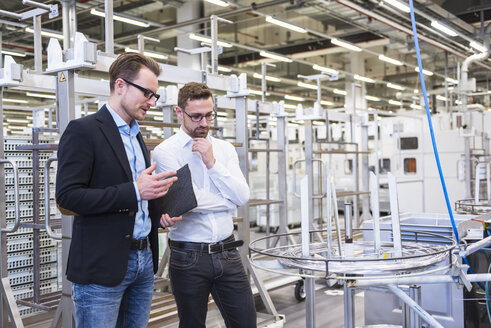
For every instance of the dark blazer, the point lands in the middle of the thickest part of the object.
(94, 181)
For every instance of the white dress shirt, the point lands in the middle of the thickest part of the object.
(218, 190)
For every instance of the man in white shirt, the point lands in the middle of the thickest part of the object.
(204, 256)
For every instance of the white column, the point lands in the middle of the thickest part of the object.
(189, 10)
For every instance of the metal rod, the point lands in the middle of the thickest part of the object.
(421, 279)
(394, 211)
(36, 4)
(36, 247)
(16, 195)
(474, 247)
(415, 306)
(109, 26)
(47, 209)
(349, 307)
(415, 294)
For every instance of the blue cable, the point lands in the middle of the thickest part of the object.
(430, 124)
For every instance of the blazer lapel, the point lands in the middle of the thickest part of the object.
(111, 132)
(144, 149)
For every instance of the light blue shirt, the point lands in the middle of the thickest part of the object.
(128, 134)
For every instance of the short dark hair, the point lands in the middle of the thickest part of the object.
(127, 66)
(192, 91)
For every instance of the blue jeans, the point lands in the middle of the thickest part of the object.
(125, 305)
(194, 275)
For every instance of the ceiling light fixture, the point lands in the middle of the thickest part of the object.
(294, 98)
(390, 60)
(19, 101)
(425, 72)
(218, 3)
(224, 69)
(325, 69)
(395, 86)
(395, 102)
(443, 28)
(152, 54)
(202, 38)
(477, 46)
(364, 79)
(414, 106)
(307, 85)
(267, 77)
(16, 120)
(290, 106)
(450, 80)
(340, 92)
(120, 18)
(255, 92)
(274, 56)
(40, 95)
(13, 53)
(46, 33)
(289, 26)
(327, 103)
(399, 5)
(372, 98)
(442, 98)
(345, 45)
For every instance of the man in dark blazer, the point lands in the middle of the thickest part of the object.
(105, 180)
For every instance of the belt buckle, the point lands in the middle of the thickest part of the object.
(209, 248)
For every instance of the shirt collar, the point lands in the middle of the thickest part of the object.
(121, 124)
(184, 139)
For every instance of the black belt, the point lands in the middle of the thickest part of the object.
(211, 248)
(139, 244)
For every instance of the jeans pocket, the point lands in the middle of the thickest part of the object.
(232, 255)
(182, 259)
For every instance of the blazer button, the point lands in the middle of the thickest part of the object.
(127, 237)
(131, 213)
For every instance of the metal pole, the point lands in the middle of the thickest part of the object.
(349, 306)
(282, 185)
(38, 55)
(65, 101)
(36, 247)
(109, 26)
(415, 294)
(214, 46)
(3, 222)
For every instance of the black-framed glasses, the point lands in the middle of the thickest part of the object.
(146, 93)
(198, 117)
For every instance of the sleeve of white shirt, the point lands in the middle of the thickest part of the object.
(207, 201)
(228, 177)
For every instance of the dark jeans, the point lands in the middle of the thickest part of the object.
(194, 275)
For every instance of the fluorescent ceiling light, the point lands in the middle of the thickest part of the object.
(274, 56)
(399, 5)
(414, 106)
(395, 102)
(294, 98)
(290, 106)
(442, 98)
(395, 86)
(415, 91)
(327, 103)
(364, 79)
(443, 28)
(47, 34)
(224, 69)
(345, 45)
(218, 3)
(259, 93)
(478, 46)
(119, 18)
(425, 72)
(19, 101)
(285, 24)
(390, 60)
(450, 80)
(13, 53)
(40, 95)
(340, 92)
(307, 85)
(267, 77)
(372, 98)
(15, 120)
(205, 39)
(152, 54)
(325, 69)
(458, 102)
(13, 127)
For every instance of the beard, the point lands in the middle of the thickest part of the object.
(201, 132)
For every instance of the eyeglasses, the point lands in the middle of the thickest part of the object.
(146, 93)
(198, 117)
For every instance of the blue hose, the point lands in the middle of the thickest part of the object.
(430, 124)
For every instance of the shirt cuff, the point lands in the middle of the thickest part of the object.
(138, 198)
